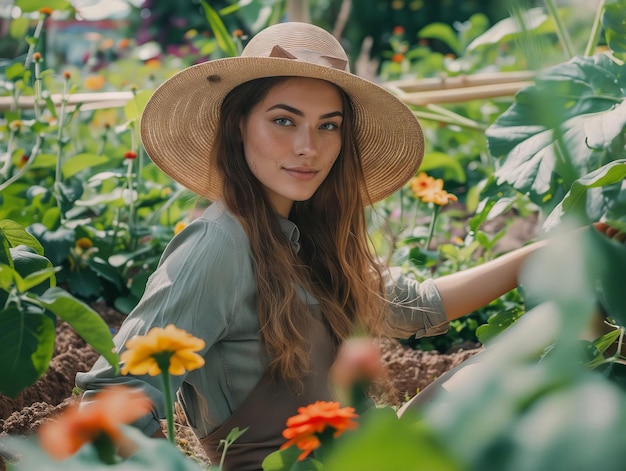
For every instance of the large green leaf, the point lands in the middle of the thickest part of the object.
(584, 99)
(576, 199)
(581, 85)
(85, 321)
(27, 339)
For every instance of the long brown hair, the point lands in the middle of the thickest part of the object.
(334, 262)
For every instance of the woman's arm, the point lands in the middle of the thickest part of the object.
(468, 290)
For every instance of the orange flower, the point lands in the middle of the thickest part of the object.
(123, 43)
(423, 183)
(94, 82)
(438, 197)
(130, 154)
(398, 30)
(397, 57)
(45, 11)
(303, 429)
(112, 407)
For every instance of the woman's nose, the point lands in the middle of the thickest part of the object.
(306, 142)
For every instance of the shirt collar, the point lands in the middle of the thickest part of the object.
(291, 231)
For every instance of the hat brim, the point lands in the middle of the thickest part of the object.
(179, 122)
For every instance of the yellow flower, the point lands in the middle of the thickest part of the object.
(146, 354)
(84, 243)
(180, 225)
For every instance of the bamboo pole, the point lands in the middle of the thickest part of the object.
(413, 92)
(460, 95)
(89, 101)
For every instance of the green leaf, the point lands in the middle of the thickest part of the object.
(56, 243)
(81, 162)
(453, 170)
(576, 198)
(135, 106)
(15, 71)
(29, 6)
(30, 281)
(281, 460)
(535, 20)
(17, 235)
(384, 442)
(591, 116)
(444, 33)
(497, 324)
(85, 321)
(27, 263)
(223, 37)
(27, 339)
(614, 23)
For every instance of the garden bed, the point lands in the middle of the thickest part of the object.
(410, 370)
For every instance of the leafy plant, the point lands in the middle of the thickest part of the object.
(30, 304)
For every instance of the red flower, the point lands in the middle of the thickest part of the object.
(398, 30)
(303, 429)
(130, 154)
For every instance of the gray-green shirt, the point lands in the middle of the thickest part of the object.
(205, 285)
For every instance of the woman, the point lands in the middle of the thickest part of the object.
(291, 147)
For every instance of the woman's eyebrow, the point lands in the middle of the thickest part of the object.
(297, 112)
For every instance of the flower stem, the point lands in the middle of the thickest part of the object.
(431, 229)
(167, 390)
(561, 30)
(595, 30)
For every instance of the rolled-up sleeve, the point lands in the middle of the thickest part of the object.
(187, 290)
(416, 308)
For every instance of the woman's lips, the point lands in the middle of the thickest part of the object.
(300, 173)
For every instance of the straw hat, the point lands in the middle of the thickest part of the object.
(179, 122)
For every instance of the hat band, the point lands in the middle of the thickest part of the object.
(308, 55)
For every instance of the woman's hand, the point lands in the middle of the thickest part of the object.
(610, 232)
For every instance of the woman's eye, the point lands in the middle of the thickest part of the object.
(283, 121)
(329, 126)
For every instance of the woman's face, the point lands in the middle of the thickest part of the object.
(292, 138)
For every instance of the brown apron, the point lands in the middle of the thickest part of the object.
(268, 406)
